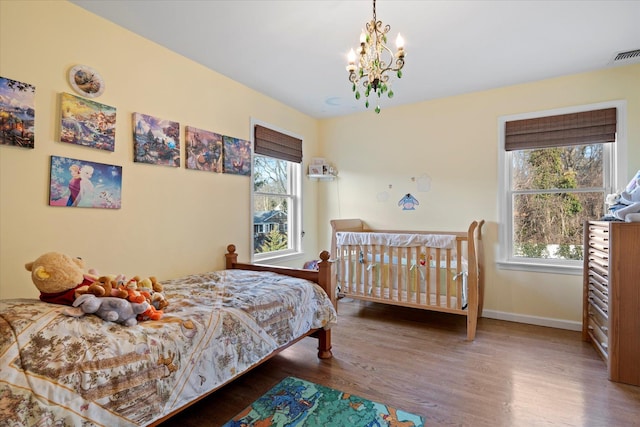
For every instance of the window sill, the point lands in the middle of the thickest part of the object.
(277, 258)
(536, 267)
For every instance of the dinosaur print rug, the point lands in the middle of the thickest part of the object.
(298, 403)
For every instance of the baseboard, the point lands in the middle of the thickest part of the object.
(533, 320)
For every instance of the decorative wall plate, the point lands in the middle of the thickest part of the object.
(86, 81)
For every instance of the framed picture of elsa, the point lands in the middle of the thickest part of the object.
(80, 183)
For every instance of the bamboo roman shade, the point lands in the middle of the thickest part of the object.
(269, 142)
(587, 127)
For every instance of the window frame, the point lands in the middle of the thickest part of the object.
(615, 158)
(295, 228)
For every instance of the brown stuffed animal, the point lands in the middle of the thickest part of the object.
(111, 288)
(61, 278)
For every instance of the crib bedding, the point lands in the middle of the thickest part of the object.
(60, 370)
(432, 264)
(441, 241)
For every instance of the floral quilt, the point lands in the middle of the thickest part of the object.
(67, 371)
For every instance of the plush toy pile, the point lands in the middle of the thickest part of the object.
(62, 279)
(625, 205)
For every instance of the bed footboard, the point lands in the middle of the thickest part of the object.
(438, 271)
(322, 277)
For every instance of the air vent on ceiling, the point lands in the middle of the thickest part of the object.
(628, 57)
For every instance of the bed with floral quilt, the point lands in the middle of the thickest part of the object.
(61, 370)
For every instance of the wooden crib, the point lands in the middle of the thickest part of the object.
(430, 270)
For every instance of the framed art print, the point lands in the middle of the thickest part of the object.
(204, 150)
(86, 122)
(80, 183)
(156, 141)
(17, 113)
(237, 156)
(315, 170)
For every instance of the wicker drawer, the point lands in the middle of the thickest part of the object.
(600, 338)
(597, 301)
(599, 283)
(598, 257)
(597, 293)
(601, 271)
(600, 318)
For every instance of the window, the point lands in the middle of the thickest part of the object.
(556, 170)
(277, 159)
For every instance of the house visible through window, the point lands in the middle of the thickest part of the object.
(556, 172)
(276, 193)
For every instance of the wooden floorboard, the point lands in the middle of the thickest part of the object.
(511, 375)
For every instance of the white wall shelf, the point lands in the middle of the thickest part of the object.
(322, 177)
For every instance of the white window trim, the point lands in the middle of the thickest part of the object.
(617, 162)
(296, 229)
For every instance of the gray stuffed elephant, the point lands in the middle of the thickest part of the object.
(112, 309)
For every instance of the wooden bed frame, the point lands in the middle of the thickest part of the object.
(322, 277)
(397, 275)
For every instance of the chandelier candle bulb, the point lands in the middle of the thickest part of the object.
(351, 57)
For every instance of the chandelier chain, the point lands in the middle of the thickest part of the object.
(374, 11)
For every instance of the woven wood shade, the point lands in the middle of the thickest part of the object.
(269, 142)
(588, 127)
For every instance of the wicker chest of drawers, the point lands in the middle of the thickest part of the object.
(611, 296)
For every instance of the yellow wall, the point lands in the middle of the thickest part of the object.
(173, 221)
(455, 142)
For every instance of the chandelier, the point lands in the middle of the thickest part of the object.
(375, 60)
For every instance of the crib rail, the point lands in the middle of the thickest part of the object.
(421, 276)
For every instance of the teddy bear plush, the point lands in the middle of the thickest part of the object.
(61, 278)
(111, 309)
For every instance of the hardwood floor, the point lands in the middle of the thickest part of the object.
(511, 375)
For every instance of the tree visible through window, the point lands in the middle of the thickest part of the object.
(554, 190)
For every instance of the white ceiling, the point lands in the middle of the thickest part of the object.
(295, 51)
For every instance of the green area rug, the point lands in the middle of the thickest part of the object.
(296, 403)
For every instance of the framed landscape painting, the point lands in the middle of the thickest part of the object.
(80, 183)
(17, 113)
(88, 123)
(204, 150)
(237, 156)
(156, 141)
